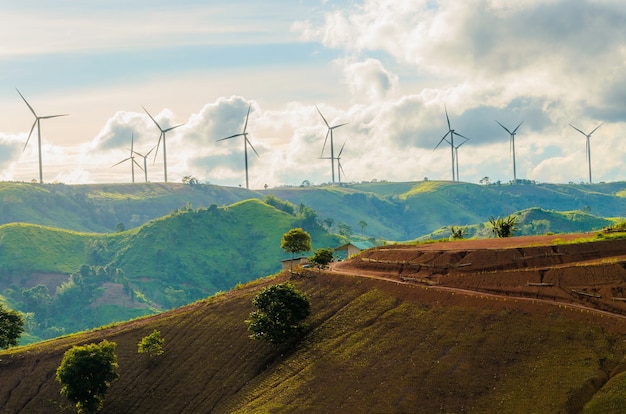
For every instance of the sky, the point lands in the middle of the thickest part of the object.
(388, 69)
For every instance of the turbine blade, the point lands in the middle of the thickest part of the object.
(152, 149)
(442, 139)
(459, 135)
(132, 142)
(505, 128)
(325, 139)
(577, 129)
(52, 116)
(245, 125)
(174, 127)
(447, 117)
(124, 160)
(337, 126)
(341, 168)
(320, 112)
(27, 104)
(341, 150)
(157, 148)
(153, 120)
(138, 165)
(520, 124)
(594, 130)
(30, 133)
(252, 146)
(232, 136)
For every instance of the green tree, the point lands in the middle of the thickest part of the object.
(457, 232)
(86, 373)
(152, 344)
(280, 314)
(11, 327)
(296, 241)
(362, 224)
(322, 257)
(503, 227)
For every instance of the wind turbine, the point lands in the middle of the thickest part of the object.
(246, 142)
(512, 144)
(588, 149)
(332, 148)
(131, 158)
(452, 133)
(38, 124)
(456, 157)
(339, 167)
(338, 158)
(145, 163)
(162, 137)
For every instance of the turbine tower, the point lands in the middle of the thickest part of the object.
(162, 137)
(145, 163)
(512, 146)
(38, 124)
(456, 158)
(332, 149)
(246, 142)
(452, 133)
(588, 148)
(131, 158)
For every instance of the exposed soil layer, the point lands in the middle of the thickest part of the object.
(592, 274)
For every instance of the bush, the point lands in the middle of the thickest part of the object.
(152, 344)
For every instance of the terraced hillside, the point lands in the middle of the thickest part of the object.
(384, 337)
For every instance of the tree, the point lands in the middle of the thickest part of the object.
(281, 311)
(151, 344)
(503, 227)
(362, 224)
(86, 373)
(322, 257)
(457, 232)
(11, 327)
(296, 241)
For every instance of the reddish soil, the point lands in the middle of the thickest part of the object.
(591, 275)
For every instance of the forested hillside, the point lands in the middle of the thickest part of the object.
(391, 211)
(68, 281)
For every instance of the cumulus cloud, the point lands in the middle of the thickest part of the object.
(369, 79)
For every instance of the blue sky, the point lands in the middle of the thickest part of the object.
(386, 68)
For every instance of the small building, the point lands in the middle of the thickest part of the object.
(296, 261)
(353, 248)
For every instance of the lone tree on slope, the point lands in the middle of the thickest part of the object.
(281, 311)
(296, 241)
(11, 327)
(86, 373)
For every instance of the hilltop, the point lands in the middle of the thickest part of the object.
(391, 211)
(378, 343)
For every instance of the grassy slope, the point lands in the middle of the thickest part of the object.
(374, 347)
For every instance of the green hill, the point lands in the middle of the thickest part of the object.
(392, 211)
(69, 281)
(532, 221)
(374, 346)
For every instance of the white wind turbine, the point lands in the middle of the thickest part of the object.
(145, 163)
(512, 145)
(452, 133)
(38, 124)
(588, 148)
(332, 148)
(131, 158)
(162, 137)
(246, 142)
